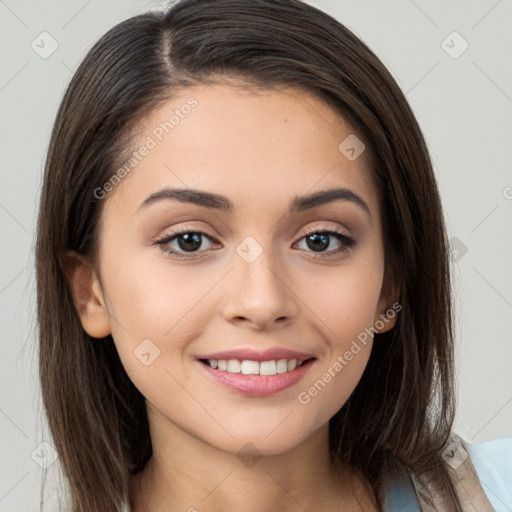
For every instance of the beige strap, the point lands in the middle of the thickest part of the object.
(467, 483)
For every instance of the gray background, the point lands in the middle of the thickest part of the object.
(463, 104)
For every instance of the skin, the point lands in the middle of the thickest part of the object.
(260, 149)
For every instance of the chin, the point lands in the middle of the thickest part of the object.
(259, 443)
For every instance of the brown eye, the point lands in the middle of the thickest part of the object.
(189, 241)
(319, 241)
(185, 241)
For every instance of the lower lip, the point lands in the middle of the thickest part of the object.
(258, 385)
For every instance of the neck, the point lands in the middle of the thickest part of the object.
(186, 474)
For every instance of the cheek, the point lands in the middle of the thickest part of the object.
(350, 341)
(344, 306)
(153, 297)
(155, 308)
(345, 310)
(344, 299)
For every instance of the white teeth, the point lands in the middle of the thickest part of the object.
(233, 366)
(281, 366)
(268, 368)
(248, 367)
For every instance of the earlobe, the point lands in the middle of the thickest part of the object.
(385, 319)
(87, 294)
(387, 309)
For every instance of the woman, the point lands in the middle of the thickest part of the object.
(245, 300)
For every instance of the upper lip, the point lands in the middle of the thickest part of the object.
(270, 354)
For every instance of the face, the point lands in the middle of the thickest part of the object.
(246, 266)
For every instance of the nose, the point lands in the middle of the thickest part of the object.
(258, 295)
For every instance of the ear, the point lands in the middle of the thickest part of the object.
(388, 305)
(87, 294)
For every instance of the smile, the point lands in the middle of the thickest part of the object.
(248, 367)
(256, 378)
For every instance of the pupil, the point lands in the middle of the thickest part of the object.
(190, 241)
(319, 241)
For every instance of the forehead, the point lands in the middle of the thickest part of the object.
(254, 145)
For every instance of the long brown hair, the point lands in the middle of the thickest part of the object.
(401, 412)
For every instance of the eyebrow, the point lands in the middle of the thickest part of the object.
(218, 202)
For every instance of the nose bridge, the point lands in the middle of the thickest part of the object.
(257, 291)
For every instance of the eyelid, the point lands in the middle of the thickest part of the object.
(317, 229)
(189, 229)
(175, 233)
(347, 241)
(161, 243)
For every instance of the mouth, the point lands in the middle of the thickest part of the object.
(256, 378)
(249, 367)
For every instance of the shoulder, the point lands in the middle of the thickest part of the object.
(399, 494)
(492, 461)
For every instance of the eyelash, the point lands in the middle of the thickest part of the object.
(346, 242)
